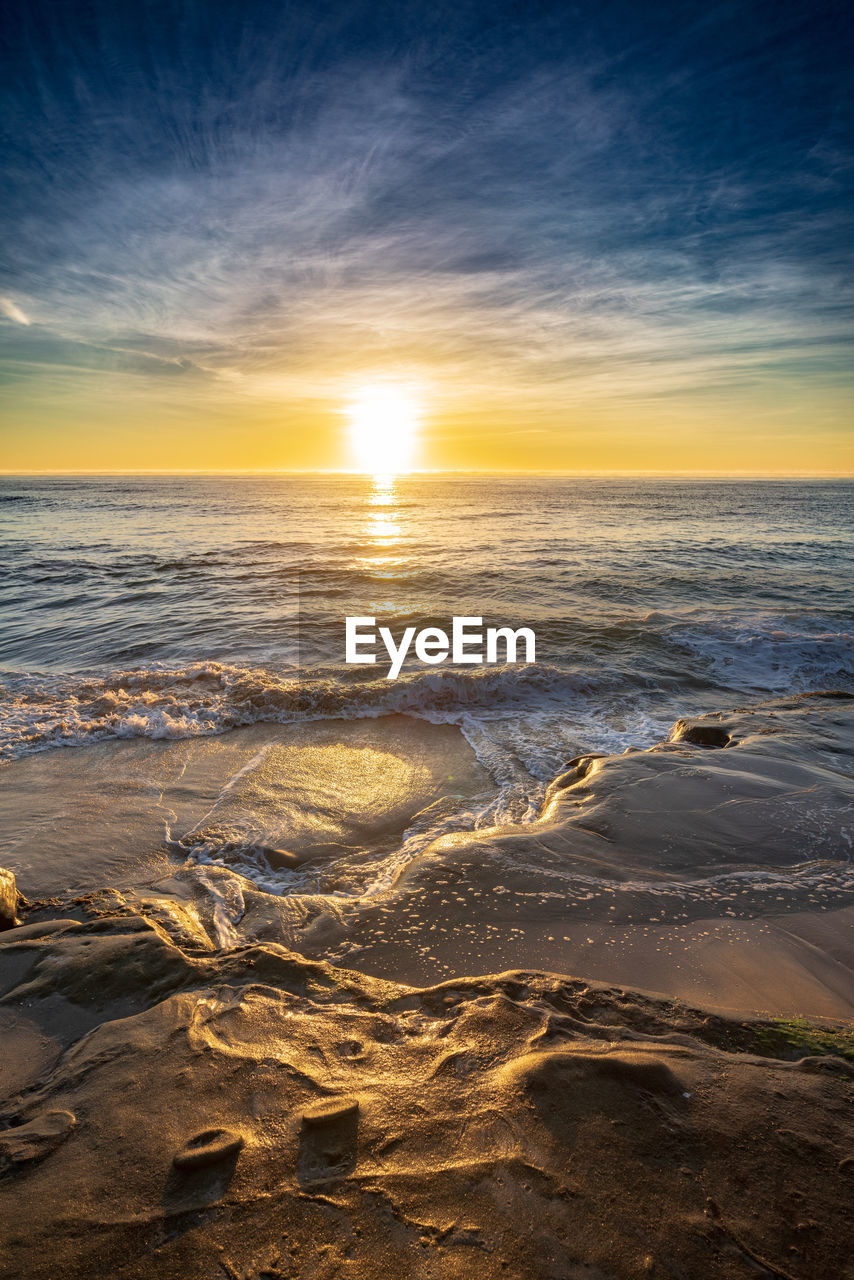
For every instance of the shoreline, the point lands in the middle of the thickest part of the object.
(713, 863)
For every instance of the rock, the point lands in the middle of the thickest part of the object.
(826, 1062)
(29, 1143)
(330, 1111)
(700, 735)
(8, 900)
(208, 1148)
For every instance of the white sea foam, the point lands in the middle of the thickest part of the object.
(520, 716)
(205, 698)
(765, 653)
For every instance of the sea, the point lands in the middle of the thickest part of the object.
(188, 608)
(173, 606)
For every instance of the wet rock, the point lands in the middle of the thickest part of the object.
(328, 1148)
(574, 771)
(281, 858)
(701, 735)
(9, 897)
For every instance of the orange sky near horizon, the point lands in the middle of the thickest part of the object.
(123, 422)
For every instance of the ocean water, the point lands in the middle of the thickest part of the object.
(172, 607)
(198, 623)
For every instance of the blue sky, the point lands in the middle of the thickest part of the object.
(580, 229)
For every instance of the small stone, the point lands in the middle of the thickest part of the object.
(8, 900)
(207, 1148)
(330, 1111)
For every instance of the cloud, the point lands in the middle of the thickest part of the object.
(546, 220)
(12, 311)
(28, 354)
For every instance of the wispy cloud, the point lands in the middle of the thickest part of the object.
(568, 216)
(12, 311)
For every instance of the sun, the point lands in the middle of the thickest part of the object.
(383, 429)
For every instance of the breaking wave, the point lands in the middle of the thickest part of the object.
(626, 684)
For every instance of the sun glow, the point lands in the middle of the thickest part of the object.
(383, 428)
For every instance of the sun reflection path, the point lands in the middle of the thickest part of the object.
(384, 493)
(383, 528)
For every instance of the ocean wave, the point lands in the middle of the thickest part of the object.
(770, 653)
(621, 682)
(39, 712)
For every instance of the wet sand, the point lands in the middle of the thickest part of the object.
(783, 966)
(190, 1088)
(82, 818)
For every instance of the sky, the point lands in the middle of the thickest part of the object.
(594, 236)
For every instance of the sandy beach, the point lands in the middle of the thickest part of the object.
(614, 1041)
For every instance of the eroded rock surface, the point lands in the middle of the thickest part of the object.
(330, 1124)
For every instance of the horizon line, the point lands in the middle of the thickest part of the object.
(438, 471)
